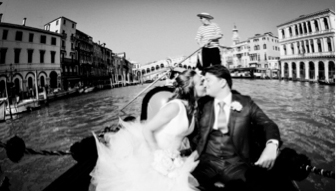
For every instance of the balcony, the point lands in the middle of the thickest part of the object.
(308, 55)
(307, 35)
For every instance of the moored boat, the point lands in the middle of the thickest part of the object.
(88, 89)
(22, 106)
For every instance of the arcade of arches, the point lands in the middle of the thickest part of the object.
(308, 70)
(24, 83)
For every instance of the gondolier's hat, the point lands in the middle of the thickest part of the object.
(205, 15)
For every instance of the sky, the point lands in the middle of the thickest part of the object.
(152, 30)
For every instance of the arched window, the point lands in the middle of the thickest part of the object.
(312, 46)
(302, 47)
(292, 48)
(290, 32)
(284, 48)
(42, 82)
(309, 27)
(17, 85)
(300, 28)
(316, 25)
(329, 45)
(305, 28)
(326, 25)
(283, 33)
(331, 66)
(311, 70)
(296, 30)
(319, 45)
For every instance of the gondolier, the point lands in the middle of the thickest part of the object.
(208, 36)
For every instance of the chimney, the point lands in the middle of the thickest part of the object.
(0, 17)
(24, 22)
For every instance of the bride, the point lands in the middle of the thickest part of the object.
(145, 156)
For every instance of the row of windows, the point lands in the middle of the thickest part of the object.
(264, 38)
(30, 53)
(306, 27)
(257, 56)
(19, 37)
(257, 47)
(307, 46)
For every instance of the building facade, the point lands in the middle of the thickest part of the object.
(69, 64)
(29, 58)
(307, 47)
(260, 51)
(83, 61)
(263, 51)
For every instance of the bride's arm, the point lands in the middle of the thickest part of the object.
(164, 115)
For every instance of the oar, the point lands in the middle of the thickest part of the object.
(150, 85)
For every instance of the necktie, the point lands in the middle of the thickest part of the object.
(221, 121)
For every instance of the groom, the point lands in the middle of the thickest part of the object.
(227, 125)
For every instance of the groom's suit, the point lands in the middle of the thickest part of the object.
(228, 156)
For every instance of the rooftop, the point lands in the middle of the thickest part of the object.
(302, 17)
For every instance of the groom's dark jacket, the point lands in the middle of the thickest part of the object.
(249, 128)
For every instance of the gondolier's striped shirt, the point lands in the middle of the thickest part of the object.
(205, 32)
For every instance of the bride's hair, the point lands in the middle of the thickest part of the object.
(184, 89)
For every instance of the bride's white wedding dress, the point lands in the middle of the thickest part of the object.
(125, 162)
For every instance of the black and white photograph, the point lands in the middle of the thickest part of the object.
(167, 95)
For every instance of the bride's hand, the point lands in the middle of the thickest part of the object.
(192, 161)
(194, 155)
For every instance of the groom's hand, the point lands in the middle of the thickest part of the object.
(268, 156)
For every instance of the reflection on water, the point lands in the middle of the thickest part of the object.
(304, 112)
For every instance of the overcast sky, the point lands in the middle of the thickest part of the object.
(150, 30)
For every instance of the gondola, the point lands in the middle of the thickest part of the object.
(85, 153)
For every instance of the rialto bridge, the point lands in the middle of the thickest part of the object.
(151, 70)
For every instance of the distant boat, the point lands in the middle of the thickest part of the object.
(89, 89)
(81, 90)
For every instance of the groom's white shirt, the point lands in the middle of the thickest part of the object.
(227, 109)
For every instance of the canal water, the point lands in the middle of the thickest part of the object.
(305, 114)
